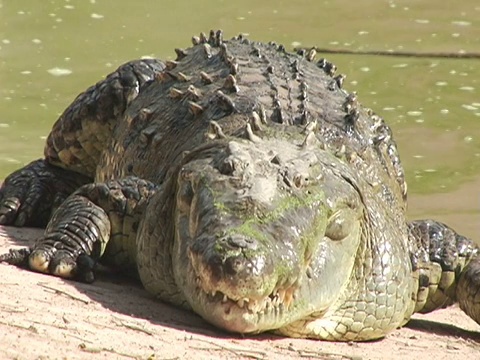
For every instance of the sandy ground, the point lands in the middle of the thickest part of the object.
(42, 317)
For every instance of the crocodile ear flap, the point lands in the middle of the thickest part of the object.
(341, 224)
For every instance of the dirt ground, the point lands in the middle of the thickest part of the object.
(42, 317)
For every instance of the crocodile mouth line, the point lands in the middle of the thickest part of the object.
(278, 300)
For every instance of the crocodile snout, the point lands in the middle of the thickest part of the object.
(231, 265)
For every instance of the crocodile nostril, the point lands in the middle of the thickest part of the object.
(234, 265)
(242, 242)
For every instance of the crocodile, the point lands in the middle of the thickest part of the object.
(242, 182)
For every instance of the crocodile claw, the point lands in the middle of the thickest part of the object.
(18, 257)
(61, 264)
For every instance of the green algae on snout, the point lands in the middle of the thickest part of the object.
(263, 225)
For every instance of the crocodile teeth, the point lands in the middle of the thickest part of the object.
(280, 299)
(241, 303)
(257, 305)
(267, 302)
(289, 296)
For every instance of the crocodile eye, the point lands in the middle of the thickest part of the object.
(340, 224)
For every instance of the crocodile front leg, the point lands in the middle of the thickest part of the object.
(97, 220)
(448, 268)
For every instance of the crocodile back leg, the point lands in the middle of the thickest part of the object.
(83, 131)
(74, 146)
(447, 266)
(468, 289)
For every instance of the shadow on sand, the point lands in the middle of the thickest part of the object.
(123, 294)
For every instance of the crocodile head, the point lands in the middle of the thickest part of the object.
(266, 233)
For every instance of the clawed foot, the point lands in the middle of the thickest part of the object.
(21, 193)
(28, 196)
(52, 261)
(18, 257)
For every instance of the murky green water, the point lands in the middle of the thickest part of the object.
(52, 50)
